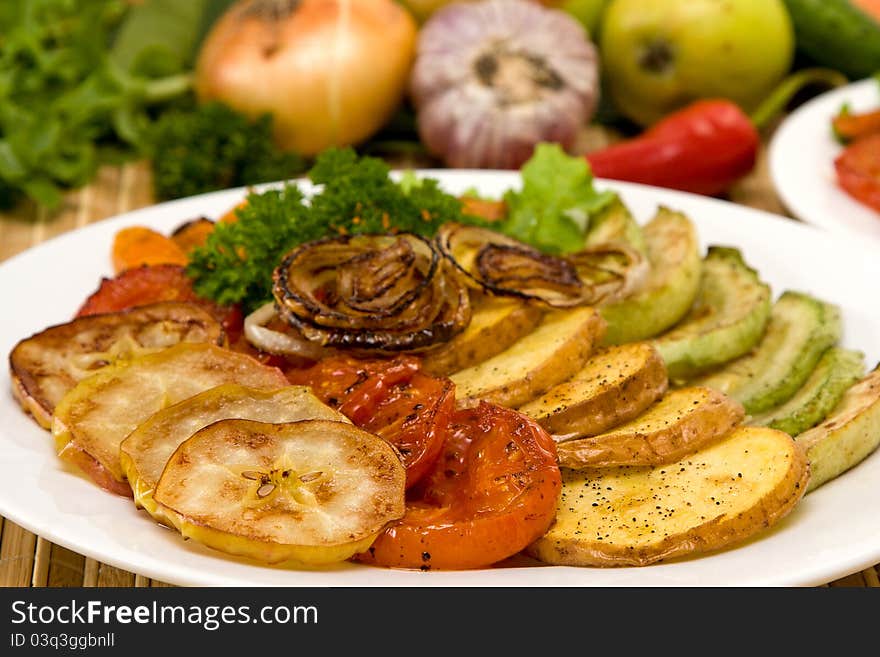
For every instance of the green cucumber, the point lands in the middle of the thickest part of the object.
(838, 369)
(727, 319)
(837, 34)
(615, 223)
(674, 254)
(800, 330)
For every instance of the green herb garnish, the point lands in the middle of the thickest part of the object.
(213, 147)
(357, 196)
(552, 210)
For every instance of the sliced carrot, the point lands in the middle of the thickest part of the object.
(230, 217)
(488, 210)
(136, 246)
(193, 234)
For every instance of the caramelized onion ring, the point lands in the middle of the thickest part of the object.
(388, 293)
(503, 266)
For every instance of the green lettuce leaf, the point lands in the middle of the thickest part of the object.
(552, 210)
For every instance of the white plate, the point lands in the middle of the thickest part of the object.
(832, 533)
(802, 155)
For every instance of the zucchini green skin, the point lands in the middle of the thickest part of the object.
(615, 223)
(674, 253)
(837, 34)
(800, 330)
(847, 436)
(837, 371)
(727, 319)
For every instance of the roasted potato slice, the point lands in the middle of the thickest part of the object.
(146, 450)
(101, 410)
(45, 366)
(682, 422)
(616, 385)
(635, 516)
(310, 492)
(550, 354)
(496, 323)
(848, 435)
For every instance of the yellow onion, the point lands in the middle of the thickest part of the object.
(331, 72)
(500, 265)
(372, 293)
(492, 79)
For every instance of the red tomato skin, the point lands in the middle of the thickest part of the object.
(482, 503)
(858, 170)
(391, 398)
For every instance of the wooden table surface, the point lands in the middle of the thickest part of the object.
(29, 560)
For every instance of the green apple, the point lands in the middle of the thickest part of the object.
(659, 55)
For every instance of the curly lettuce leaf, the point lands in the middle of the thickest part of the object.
(552, 210)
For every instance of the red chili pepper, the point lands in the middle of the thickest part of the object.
(703, 148)
(706, 146)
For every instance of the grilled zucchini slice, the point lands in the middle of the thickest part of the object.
(674, 254)
(635, 516)
(800, 330)
(727, 319)
(146, 450)
(93, 419)
(848, 435)
(309, 492)
(837, 370)
(615, 224)
(616, 385)
(682, 422)
(45, 366)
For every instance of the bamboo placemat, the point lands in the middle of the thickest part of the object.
(28, 560)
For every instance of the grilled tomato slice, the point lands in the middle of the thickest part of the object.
(391, 398)
(492, 493)
(309, 492)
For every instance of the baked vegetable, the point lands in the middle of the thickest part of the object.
(503, 266)
(615, 385)
(727, 319)
(837, 370)
(146, 450)
(496, 323)
(552, 353)
(45, 366)
(635, 516)
(682, 422)
(615, 224)
(671, 286)
(379, 293)
(100, 411)
(800, 329)
(491, 493)
(310, 492)
(848, 436)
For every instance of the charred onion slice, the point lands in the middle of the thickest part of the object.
(504, 266)
(287, 343)
(373, 292)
